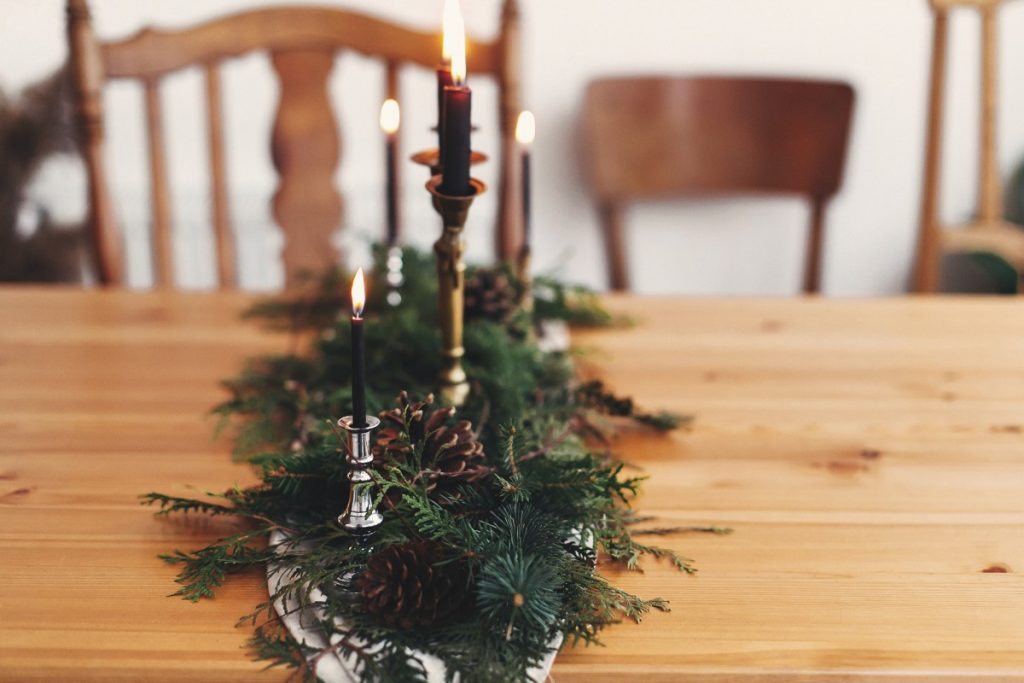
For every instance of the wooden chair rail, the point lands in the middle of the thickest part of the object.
(154, 52)
(218, 178)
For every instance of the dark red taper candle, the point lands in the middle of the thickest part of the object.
(455, 148)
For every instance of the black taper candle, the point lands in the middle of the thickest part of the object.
(527, 198)
(392, 190)
(390, 120)
(358, 373)
(358, 352)
(455, 149)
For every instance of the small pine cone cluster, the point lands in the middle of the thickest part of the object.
(448, 453)
(489, 295)
(413, 584)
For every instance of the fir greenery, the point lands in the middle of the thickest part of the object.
(527, 526)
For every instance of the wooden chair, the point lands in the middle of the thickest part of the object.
(987, 232)
(661, 137)
(302, 42)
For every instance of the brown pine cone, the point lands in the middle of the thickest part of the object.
(407, 585)
(448, 454)
(489, 295)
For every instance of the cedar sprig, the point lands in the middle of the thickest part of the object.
(173, 504)
(205, 570)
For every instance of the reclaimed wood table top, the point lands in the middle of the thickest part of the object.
(868, 454)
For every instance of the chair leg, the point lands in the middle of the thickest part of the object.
(812, 266)
(926, 268)
(615, 247)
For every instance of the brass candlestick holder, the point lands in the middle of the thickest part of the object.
(360, 516)
(451, 281)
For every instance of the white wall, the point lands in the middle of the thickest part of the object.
(749, 246)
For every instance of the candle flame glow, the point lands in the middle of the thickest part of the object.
(526, 128)
(453, 44)
(390, 116)
(451, 16)
(358, 294)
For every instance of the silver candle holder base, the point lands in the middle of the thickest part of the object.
(360, 516)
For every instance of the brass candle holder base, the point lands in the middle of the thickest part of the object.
(451, 280)
(431, 158)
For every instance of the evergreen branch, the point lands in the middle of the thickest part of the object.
(205, 570)
(171, 504)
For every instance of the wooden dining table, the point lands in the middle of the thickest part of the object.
(867, 454)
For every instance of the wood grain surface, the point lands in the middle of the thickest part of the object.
(868, 454)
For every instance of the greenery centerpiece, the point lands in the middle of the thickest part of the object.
(495, 512)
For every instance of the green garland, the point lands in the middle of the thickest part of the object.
(492, 501)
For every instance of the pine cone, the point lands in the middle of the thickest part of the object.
(407, 586)
(448, 454)
(489, 295)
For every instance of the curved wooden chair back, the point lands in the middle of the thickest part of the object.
(302, 42)
(662, 137)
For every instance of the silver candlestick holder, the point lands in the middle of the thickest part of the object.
(360, 516)
(395, 277)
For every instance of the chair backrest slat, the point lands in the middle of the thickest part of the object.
(305, 149)
(220, 210)
(391, 79)
(160, 199)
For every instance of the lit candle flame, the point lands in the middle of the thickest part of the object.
(453, 43)
(390, 116)
(451, 20)
(526, 128)
(358, 294)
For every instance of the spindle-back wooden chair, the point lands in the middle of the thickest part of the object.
(987, 231)
(302, 42)
(662, 137)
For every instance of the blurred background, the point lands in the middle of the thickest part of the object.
(691, 246)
